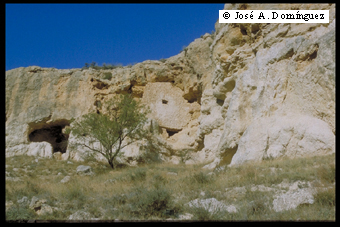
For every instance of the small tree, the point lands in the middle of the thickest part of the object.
(124, 119)
(93, 64)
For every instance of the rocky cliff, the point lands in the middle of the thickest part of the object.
(248, 92)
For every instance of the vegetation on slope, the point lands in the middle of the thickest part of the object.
(149, 192)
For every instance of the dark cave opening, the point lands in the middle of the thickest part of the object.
(53, 135)
(172, 132)
(220, 102)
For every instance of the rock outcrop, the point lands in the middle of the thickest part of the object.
(274, 71)
(248, 92)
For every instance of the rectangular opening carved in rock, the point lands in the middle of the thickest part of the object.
(164, 101)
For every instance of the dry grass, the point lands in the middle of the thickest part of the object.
(147, 191)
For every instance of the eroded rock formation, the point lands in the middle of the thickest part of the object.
(245, 93)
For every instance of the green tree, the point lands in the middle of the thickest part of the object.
(120, 126)
(93, 64)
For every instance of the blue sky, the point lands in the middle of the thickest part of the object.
(67, 36)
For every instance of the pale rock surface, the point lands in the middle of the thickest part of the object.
(276, 70)
(23, 201)
(13, 178)
(261, 188)
(58, 156)
(172, 173)
(45, 209)
(65, 179)
(36, 203)
(292, 199)
(212, 205)
(167, 105)
(291, 135)
(9, 204)
(236, 192)
(110, 181)
(213, 164)
(80, 215)
(186, 216)
(84, 170)
(41, 149)
(175, 160)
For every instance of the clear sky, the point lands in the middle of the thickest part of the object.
(67, 36)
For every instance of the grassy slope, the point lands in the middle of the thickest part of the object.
(145, 192)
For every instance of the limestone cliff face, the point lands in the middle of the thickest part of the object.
(41, 102)
(284, 72)
(246, 93)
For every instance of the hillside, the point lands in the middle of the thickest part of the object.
(246, 94)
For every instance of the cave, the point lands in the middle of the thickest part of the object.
(220, 102)
(172, 132)
(51, 133)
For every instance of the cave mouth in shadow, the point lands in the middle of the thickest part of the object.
(52, 134)
(172, 132)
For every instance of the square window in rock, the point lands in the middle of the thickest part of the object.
(164, 101)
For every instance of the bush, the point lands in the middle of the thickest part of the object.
(94, 65)
(74, 193)
(118, 199)
(19, 213)
(153, 202)
(201, 178)
(139, 174)
(32, 188)
(159, 180)
(325, 197)
(107, 76)
(202, 214)
(149, 157)
(326, 173)
(257, 204)
(125, 118)
(185, 49)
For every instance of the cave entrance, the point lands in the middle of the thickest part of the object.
(172, 132)
(51, 133)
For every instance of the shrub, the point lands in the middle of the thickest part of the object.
(74, 193)
(185, 49)
(94, 65)
(153, 202)
(32, 188)
(149, 157)
(125, 118)
(257, 204)
(325, 197)
(19, 213)
(118, 199)
(326, 173)
(202, 214)
(201, 178)
(159, 180)
(107, 76)
(139, 174)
